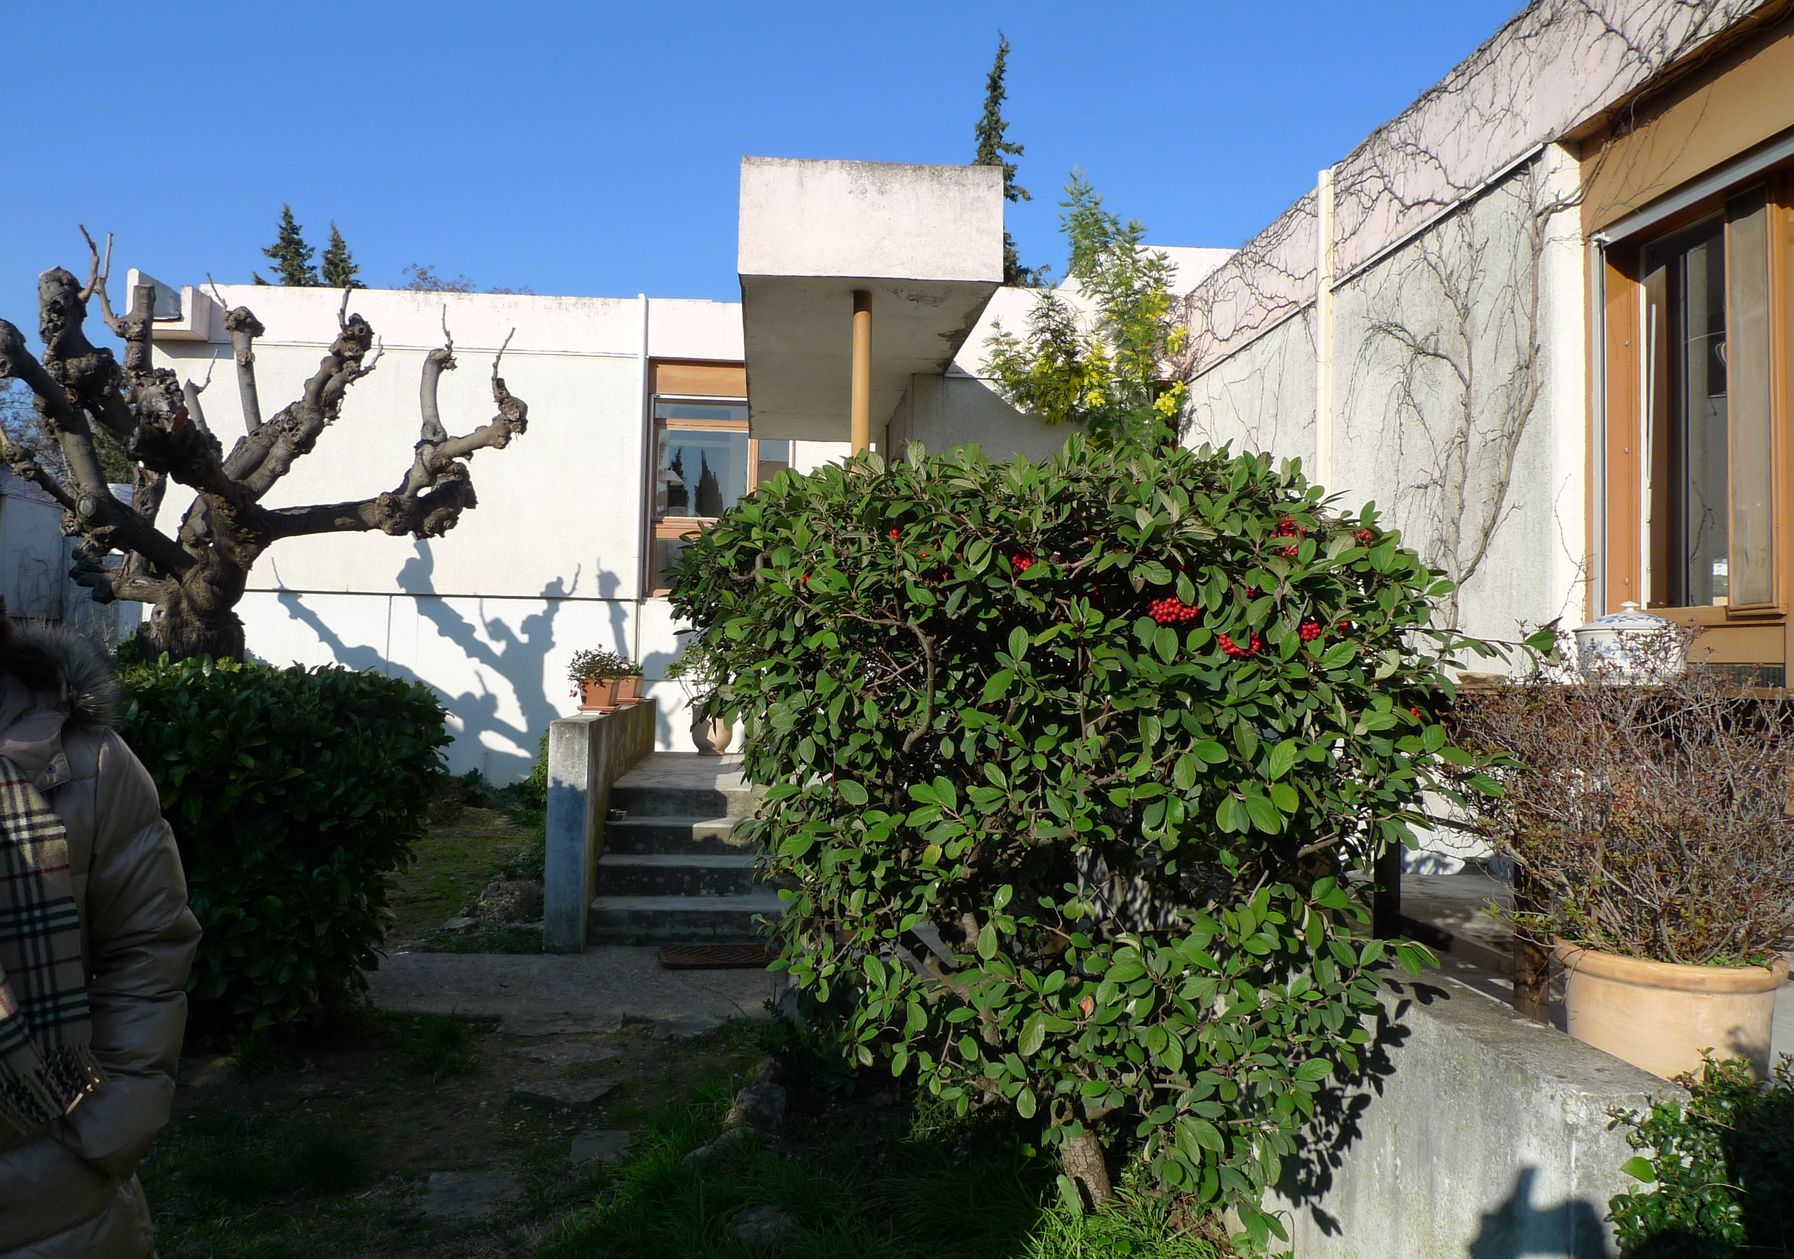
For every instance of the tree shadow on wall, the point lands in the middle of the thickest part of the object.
(515, 658)
(1339, 1112)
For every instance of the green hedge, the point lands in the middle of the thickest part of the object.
(294, 794)
(1114, 723)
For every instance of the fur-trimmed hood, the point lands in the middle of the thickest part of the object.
(81, 682)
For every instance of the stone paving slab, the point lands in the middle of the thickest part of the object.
(598, 1146)
(468, 1195)
(547, 993)
(565, 1093)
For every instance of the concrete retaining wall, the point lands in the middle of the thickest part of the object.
(1481, 1134)
(586, 754)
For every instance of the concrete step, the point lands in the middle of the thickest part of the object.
(649, 799)
(684, 783)
(680, 919)
(674, 833)
(676, 874)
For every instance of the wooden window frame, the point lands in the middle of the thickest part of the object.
(1761, 634)
(672, 381)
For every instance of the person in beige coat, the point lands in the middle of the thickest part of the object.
(68, 1184)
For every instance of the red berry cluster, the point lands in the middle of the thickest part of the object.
(1312, 630)
(1022, 561)
(1234, 649)
(1364, 535)
(893, 531)
(1288, 528)
(1171, 610)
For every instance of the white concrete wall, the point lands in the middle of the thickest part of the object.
(801, 217)
(1261, 398)
(1476, 1132)
(550, 561)
(1455, 369)
(35, 559)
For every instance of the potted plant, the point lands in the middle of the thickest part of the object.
(603, 680)
(698, 671)
(1646, 808)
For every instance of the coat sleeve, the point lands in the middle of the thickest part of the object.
(141, 938)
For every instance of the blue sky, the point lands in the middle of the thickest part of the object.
(593, 149)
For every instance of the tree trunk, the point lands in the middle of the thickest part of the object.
(1532, 961)
(1085, 1166)
(179, 628)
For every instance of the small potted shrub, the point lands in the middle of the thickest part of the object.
(1651, 819)
(603, 680)
(699, 672)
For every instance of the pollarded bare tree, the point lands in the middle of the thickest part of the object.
(196, 575)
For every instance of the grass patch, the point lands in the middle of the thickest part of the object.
(323, 1151)
(434, 1045)
(476, 832)
(874, 1184)
(321, 1145)
(450, 865)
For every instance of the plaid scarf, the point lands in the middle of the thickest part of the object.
(46, 1064)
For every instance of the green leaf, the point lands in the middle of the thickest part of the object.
(1282, 757)
(1185, 771)
(1018, 643)
(987, 941)
(997, 685)
(1210, 751)
(852, 792)
(1264, 814)
(1164, 643)
(1314, 1069)
(1032, 1037)
(1639, 1168)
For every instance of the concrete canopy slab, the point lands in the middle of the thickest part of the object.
(925, 241)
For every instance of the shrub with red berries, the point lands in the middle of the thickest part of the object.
(1181, 668)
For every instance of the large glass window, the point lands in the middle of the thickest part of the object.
(701, 458)
(704, 461)
(1707, 411)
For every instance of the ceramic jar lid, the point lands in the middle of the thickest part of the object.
(1617, 643)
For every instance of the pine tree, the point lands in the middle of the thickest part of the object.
(710, 492)
(292, 256)
(995, 150)
(339, 264)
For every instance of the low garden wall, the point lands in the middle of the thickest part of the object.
(586, 754)
(1477, 1133)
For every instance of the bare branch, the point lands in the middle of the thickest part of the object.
(244, 328)
(438, 361)
(100, 272)
(436, 489)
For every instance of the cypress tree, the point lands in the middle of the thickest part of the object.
(292, 256)
(995, 149)
(339, 264)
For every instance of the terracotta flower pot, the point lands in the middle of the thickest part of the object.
(598, 695)
(710, 735)
(629, 689)
(1659, 1015)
